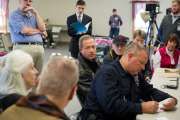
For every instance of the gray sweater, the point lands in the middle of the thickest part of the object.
(167, 27)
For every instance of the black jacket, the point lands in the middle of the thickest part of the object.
(116, 96)
(167, 27)
(86, 77)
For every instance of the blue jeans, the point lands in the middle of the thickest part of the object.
(113, 32)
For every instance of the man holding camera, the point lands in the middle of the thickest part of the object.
(26, 28)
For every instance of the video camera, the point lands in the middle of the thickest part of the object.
(153, 9)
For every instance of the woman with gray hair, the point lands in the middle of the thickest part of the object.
(18, 74)
(57, 86)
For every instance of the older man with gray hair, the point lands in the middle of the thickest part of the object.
(27, 28)
(56, 88)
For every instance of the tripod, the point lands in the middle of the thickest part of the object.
(150, 32)
(150, 39)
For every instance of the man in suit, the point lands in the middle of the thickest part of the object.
(80, 17)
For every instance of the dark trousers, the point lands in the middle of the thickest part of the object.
(50, 36)
(74, 48)
(113, 32)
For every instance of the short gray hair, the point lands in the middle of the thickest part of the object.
(134, 48)
(58, 76)
(83, 38)
(176, 1)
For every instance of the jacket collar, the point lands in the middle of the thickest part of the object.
(41, 103)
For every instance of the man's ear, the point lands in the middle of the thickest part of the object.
(72, 92)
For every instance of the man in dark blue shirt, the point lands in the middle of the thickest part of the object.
(116, 94)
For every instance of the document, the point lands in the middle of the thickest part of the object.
(170, 73)
(168, 70)
(80, 28)
(87, 25)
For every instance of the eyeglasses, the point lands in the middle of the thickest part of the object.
(56, 54)
(59, 54)
(64, 56)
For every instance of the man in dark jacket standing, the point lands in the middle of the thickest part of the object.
(116, 95)
(83, 19)
(170, 23)
(88, 65)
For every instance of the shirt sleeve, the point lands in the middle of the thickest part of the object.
(16, 23)
(110, 20)
(120, 20)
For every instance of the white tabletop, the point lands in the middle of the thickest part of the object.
(158, 80)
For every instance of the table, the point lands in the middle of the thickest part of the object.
(159, 79)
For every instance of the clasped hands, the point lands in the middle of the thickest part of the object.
(31, 9)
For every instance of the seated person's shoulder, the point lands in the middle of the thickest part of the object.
(8, 100)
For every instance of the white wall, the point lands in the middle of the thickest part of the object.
(163, 5)
(100, 10)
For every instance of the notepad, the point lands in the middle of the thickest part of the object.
(171, 75)
(172, 70)
(161, 118)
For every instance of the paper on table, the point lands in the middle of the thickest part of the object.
(161, 104)
(161, 118)
(171, 75)
(168, 70)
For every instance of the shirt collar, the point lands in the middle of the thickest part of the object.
(121, 69)
(77, 14)
(175, 16)
(169, 52)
